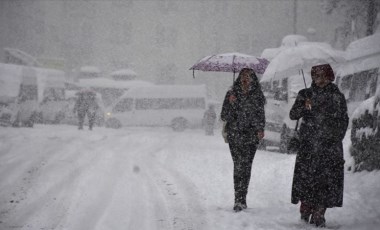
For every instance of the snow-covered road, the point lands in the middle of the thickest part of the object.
(56, 177)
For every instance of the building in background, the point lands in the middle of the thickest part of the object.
(160, 40)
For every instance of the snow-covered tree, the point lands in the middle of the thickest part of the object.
(359, 18)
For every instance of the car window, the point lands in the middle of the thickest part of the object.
(123, 105)
(170, 103)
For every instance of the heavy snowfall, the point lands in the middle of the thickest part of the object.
(56, 177)
(143, 160)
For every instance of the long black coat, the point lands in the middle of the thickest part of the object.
(85, 104)
(245, 117)
(319, 172)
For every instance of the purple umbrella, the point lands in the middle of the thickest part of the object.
(231, 62)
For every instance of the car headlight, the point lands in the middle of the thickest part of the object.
(108, 114)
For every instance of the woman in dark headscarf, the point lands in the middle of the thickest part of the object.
(319, 172)
(243, 110)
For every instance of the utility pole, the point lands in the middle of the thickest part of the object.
(371, 18)
(295, 3)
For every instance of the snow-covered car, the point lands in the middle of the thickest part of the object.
(274, 115)
(359, 77)
(31, 93)
(365, 134)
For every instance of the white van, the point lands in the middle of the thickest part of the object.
(27, 91)
(178, 106)
(358, 78)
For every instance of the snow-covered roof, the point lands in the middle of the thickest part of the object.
(292, 40)
(270, 53)
(361, 55)
(109, 83)
(123, 72)
(167, 91)
(359, 64)
(364, 47)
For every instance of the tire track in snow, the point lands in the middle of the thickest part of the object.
(180, 197)
(169, 201)
(96, 188)
(48, 202)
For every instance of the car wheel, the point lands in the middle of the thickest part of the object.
(113, 123)
(179, 124)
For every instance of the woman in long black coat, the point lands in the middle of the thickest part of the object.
(319, 169)
(243, 110)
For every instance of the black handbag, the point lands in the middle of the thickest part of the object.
(294, 142)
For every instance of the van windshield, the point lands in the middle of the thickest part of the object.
(170, 103)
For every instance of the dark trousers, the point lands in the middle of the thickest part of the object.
(242, 157)
(90, 116)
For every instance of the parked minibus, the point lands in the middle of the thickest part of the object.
(177, 106)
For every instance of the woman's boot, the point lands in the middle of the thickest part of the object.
(306, 210)
(318, 217)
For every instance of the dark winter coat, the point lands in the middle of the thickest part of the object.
(209, 117)
(319, 172)
(245, 117)
(85, 104)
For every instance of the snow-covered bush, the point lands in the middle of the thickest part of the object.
(365, 134)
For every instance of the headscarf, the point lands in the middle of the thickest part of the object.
(255, 87)
(326, 68)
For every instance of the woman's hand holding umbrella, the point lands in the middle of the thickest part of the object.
(232, 98)
(308, 104)
(260, 134)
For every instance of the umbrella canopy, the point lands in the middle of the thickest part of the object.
(302, 57)
(231, 62)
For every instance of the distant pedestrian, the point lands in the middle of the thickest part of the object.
(209, 119)
(243, 112)
(86, 105)
(319, 168)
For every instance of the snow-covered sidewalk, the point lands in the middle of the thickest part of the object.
(56, 177)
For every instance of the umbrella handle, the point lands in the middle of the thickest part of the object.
(303, 76)
(193, 74)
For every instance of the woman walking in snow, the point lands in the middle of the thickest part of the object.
(209, 118)
(243, 110)
(86, 105)
(319, 172)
